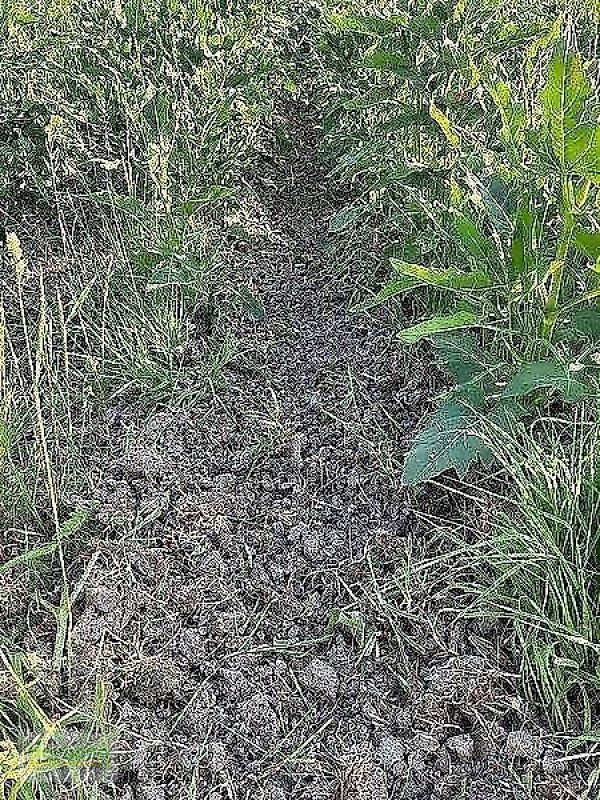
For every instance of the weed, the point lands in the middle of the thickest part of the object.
(535, 565)
(39, 755)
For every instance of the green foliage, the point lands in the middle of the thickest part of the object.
(345, 218)
(154, 98)
(564, 103)
(549, 376)
(449, 278)
(468, 132)
(508, 219)
(543, 555)
(127, 130)
(534, 566)
(451, 441)
(39, 756)
(458, 320)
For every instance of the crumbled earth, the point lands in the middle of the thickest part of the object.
(247, 599)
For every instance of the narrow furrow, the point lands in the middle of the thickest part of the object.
(248, 607)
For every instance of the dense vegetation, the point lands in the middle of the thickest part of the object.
(126, 133)
(466, 133)
(490, 162)
(470, 134)
(126, 129)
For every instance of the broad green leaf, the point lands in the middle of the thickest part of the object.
(251, 303)
(582, 150)
(352, 621)
(471, 238)
(587, 322)
(392, 289)
(360, 104)
(546, 39)
(346, 217)
(68, 528)
(454, 440)
(407, 250)
(563, 101)
(504, 195)
(460, 355)
(386, 60)
(439, 324)
(448, 278)
(369, 25)
(147, 260)
(426, 25)
(495, 194)
(461, 358)
(588, 242)
(364, 154)
(450, 441)
(442, 120)
(521, 242)
(549, 375)
(517, 254)
(74, 522)
(29, 556)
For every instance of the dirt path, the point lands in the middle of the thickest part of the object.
(248, 603)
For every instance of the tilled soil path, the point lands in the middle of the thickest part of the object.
(250, 604)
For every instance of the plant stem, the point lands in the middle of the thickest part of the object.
(552, 302)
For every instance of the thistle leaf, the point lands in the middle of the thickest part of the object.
(392, 289)
(563, 101)
(588, 242)
(129, 205)
(582, 150)
(549, 375)
(587, 322)
(449, 442)
(461, 358)
(386, 60)
(454, 439)
(471, 238)
(212, 195)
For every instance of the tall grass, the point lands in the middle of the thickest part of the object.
(41, 757)
(536, 565)
(522, 562)
(129, 127)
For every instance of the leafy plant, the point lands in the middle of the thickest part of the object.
(526, 555)
(519, 219)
